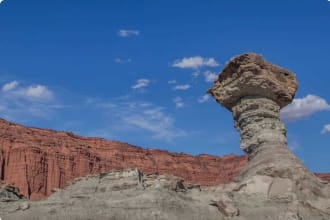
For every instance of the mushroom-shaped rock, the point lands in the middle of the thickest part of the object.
(255, 90)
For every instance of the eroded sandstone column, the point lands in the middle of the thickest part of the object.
(255, 90)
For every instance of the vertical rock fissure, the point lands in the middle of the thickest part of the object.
(29, 191)
(3, 163)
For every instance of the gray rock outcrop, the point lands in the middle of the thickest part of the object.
(121, 195)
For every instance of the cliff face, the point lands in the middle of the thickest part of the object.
(38, 160)
(323, 176)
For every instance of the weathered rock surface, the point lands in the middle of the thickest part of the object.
(9, 193)
(255, 91)
(249, 75)
(38, 160)
(123, 195)
(130, 194)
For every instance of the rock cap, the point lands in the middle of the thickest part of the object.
(249, 75)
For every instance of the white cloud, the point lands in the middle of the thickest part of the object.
(210, 76)
(304, 107)
(172, 81)
(195, 62)
(141, 83)
(326, 129)
(38, 92)
(182, 87)
(10, 86)
(204, 98)
(128, 33)
(19, 103)
(1, 1)
(178, 102)
(122, 61)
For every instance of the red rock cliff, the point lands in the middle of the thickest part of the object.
(38, 160)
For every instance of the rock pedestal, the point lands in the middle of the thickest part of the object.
(255, 90)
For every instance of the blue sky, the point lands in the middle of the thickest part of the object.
(138, 71)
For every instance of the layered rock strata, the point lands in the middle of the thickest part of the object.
(39, 160)
(255, 90)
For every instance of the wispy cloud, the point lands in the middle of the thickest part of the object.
(122, 61)
(204, 98)
(139, 116)
(9, 86)
(210, 76)
(182, 87)
(178, 102)
(195, 74)
(326, 129)
(156, 122)
(172, 81)
(195, 62)
(304, 107)
(1, 1)
(128, 33)
(141, 83)
(293, 144)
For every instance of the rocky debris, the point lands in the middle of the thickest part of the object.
(127, 194)
(9, 193)
(226, 206)
(24, 206)
(274, 184)
(39, 160)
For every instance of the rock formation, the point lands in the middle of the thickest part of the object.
(273, 185)
(123, 195)
(9, 193)
(38, 160)
(255, 91)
